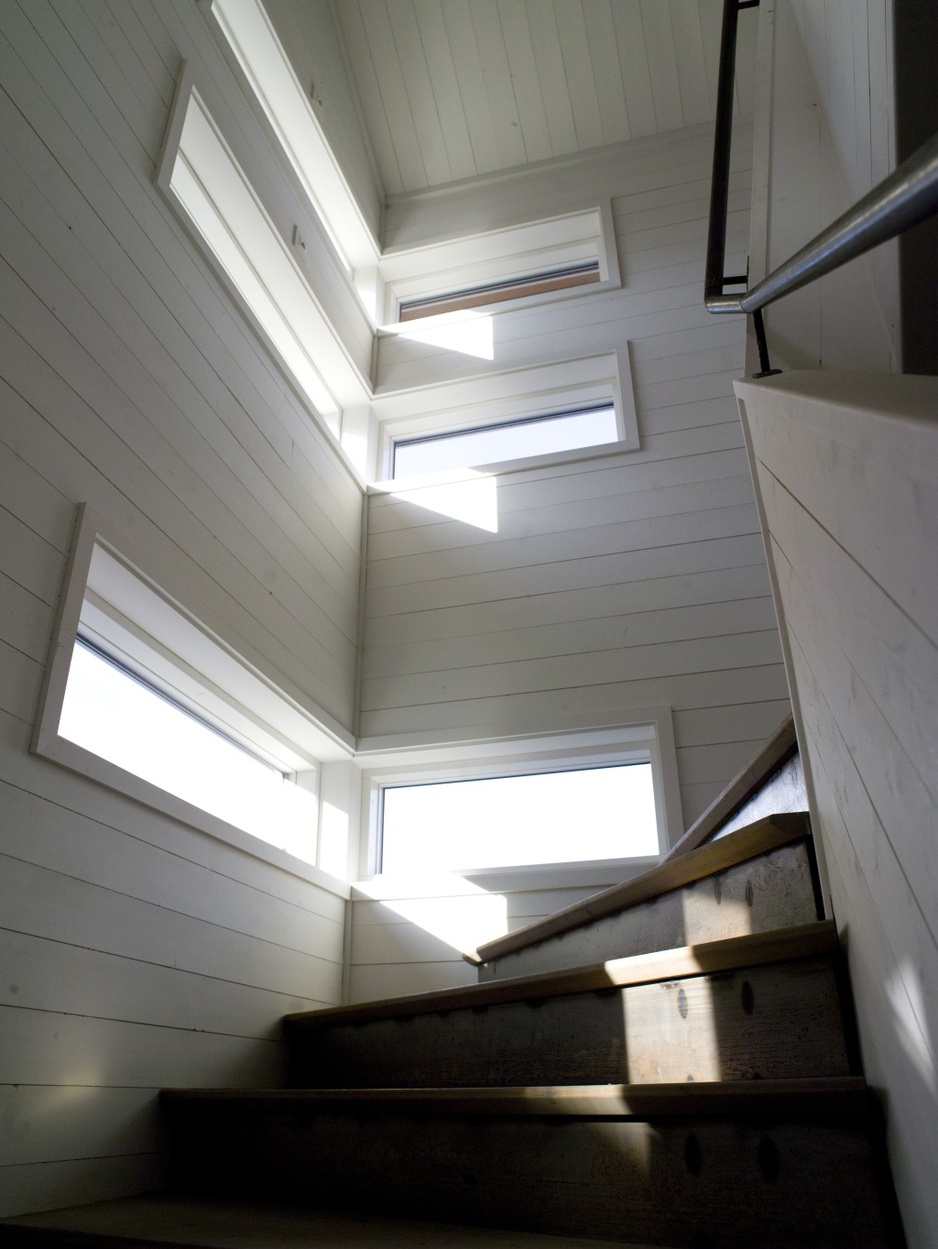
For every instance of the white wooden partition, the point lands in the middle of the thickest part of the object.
(847, 466)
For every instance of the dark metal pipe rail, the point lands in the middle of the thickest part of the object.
(906, 197)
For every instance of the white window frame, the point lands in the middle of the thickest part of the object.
(527, 250)
(649, 738)
(205, 185)
(107, 595)
(513, 395)
(515, 423)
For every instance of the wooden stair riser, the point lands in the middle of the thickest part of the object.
(697, 1181)
(775, 890)
(774, 1021)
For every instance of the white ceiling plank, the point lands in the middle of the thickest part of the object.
(689, 51)
(390, 78)
(630, 40)
(457, 89)
(496, 75)
(356, 42)
(578, 74)
(546, 43)
(662, 64)
(471, 84)
(415, 74)
(523, 69)
(607, 71)
(442, 71)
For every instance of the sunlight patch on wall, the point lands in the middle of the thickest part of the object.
(469, 333)
(449, 907)
(907, 999)
(471, 497)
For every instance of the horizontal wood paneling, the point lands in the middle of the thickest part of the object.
(45, 1123)
(55, 1185)
(394, 952)
(136, 951)
(593, 595)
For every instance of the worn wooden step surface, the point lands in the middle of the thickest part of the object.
(754, 880)
(769, 1163)
(158, 1220)
(752, 1007)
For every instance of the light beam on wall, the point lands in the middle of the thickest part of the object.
(470, 333)
(458, 912)
(471, 497)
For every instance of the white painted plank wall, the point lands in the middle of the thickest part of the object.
(611, 583)
(847, 466)
(137, 952)
(411, 945)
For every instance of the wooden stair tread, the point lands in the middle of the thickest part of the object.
(763, 836)
(188, 1223)
(777, 750)
(731, 953)
(818, 1096)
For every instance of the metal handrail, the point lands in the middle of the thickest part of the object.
(906, 197)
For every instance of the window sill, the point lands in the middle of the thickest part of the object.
(77, 759)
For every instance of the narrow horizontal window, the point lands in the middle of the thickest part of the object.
(143, 698)
(122, 717)
(508, 821)
(499, 292)
(512, 440)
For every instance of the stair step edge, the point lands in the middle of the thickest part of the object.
(765, 835)
(811, 1096)
(705, 958)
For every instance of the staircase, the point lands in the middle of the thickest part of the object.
(669, 1063)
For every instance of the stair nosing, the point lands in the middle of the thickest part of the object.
(776, 945)
(761, 837)
(817, 1095)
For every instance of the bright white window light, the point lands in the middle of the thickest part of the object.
(125, 720)
(515, 440)
(508, 821)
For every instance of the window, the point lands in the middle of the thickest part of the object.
(499, 292)
(201, 178)
(142, 697)
(127, 719)
(521, 417)
(511, 821)
(546, 259)
(608, 796)
(514, 440)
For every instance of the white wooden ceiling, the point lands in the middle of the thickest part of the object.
(452, 89)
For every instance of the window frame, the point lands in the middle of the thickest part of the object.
(646, 738)
(242, 704)
(515, 423)
(526, 250)
(534, 391)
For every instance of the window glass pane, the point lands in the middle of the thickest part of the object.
(494, 443)
(109, 712)
(554, 817)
